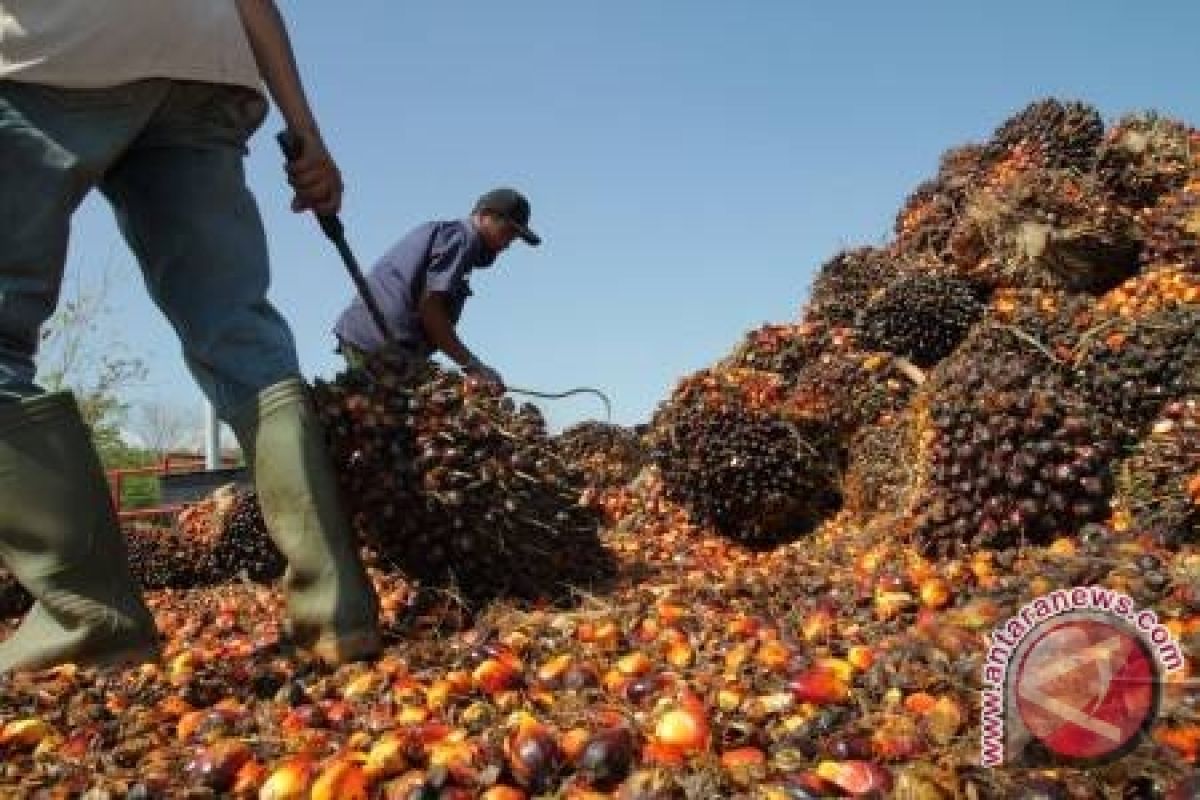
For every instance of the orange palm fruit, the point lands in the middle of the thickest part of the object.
(745, 765)
(289, 781)
(684, 729)
(344, 779)
(388, 757)
(819, 687)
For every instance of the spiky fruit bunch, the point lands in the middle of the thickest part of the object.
(929, 214)
(1014, 452)
(882, 467)
(786, 349)
(1159, 484)
(1158, 290)
(720, 387)
(921, 317)
(167, 558)
(850, 389)
(1045, 228)
(845, 283)
(1133, 367)
(450, 483)
(1172, 229)
(1044, 322)
(753, 477)
(607, 455)
(244, 547)
(1145, 156)
(926, 219)
(1063, 134)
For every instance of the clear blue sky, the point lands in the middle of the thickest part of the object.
(690, 164)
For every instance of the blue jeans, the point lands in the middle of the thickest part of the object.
(168, 157)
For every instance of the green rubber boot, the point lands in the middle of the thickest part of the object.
(332, 607)
(60, 538)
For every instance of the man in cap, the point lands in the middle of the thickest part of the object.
(421, 285)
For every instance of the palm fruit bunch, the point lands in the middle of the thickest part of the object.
(1172, 227)
(847, 281)
(786, 349)
(1015, 454)
(1158, 486)
(851, 388)
(453, 485)
(1044, 228)
(920, 317)
(752, 476)
(1166, 289)
(1132, 367)
(928, 216)
(1061, 135)
(1145, 156)
(883, 467)
(606, 454)
(168, 558)
(244, 548)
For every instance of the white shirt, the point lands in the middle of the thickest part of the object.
(99, 43)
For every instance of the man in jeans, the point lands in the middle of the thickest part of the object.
(152, 102)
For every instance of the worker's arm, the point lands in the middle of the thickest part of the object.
(314, 176)
(435, 319)
(439, 330)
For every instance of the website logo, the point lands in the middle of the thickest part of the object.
(1078, 671)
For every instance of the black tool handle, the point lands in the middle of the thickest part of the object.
(292, 147)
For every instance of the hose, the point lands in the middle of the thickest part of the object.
(559, 395)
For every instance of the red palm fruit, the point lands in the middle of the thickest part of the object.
(572, 744)
(860, 657)
(533, 755)
(216, 766)
(659, 754)
(820, 687)
(744, 765)
(502, 792)
(819, 624)
(608, 756)
(680, 654)
(388, 757)
(289, 781)
(493, 676)
(934, 592)
(856, 777)
(551, 673)
(685, 729)
(634, 664)
(249, 779)
(342, 780)
(23, 734)
(774, 655)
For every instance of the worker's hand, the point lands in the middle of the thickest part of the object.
(315, 177)
(481, 371)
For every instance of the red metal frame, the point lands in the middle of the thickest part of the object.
(169, 463)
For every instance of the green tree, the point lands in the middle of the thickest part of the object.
(81, 350)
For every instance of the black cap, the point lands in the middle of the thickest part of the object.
(510, 205)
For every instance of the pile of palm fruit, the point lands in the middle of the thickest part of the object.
(456, 487)
(802, 558)
(607, 454)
